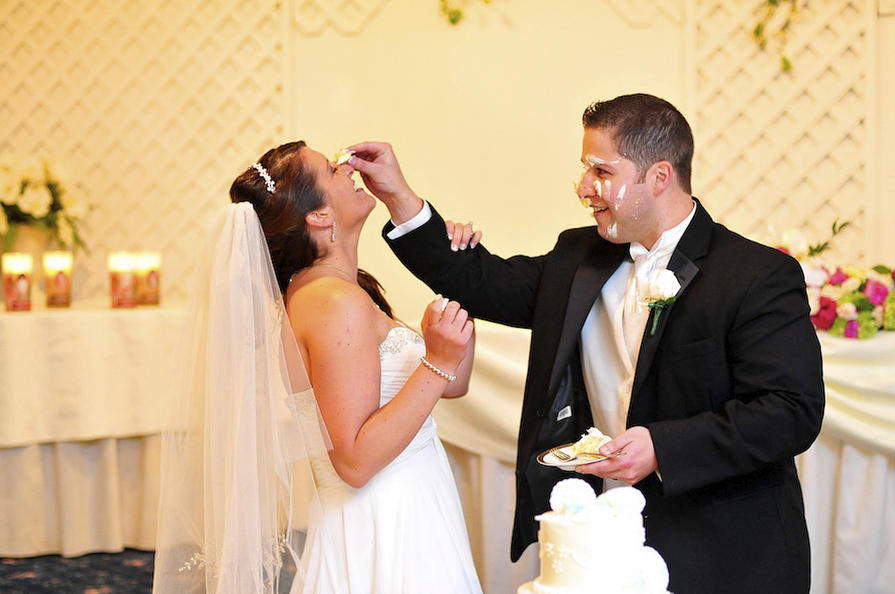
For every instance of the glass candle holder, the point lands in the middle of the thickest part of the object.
(17, 275)
(57, 274)
(123, 279)
(148, 269)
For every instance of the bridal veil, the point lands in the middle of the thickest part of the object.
(237, 486)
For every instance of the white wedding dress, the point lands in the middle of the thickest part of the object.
(403, 532)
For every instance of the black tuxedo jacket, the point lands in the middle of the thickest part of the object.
(730, 387)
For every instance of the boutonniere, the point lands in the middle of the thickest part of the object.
(660, 293)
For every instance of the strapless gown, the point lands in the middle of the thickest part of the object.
(403, 532)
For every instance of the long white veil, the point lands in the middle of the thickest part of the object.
(237, 486)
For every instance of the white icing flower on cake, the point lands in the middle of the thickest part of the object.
(623, 501)
(570, 496)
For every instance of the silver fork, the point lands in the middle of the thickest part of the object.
(565, 457)
(562, 456)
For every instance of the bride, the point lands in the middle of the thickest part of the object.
(383, 514)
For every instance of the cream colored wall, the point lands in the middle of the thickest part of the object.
(485, 117)
(157, 107)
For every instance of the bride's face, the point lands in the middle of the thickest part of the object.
(348, 200)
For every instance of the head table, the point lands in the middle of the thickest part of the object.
(84, 393)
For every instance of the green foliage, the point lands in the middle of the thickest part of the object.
(454, 14)
(819, 248)
(762, 32)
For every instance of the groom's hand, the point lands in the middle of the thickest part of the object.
(382, 175)
(632, 457)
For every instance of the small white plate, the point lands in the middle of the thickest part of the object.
(549, 459)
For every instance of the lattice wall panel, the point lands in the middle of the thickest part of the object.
(154, 107)
(785, 150)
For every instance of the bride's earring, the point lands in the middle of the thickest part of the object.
(332, 237)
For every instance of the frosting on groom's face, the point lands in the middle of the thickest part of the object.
(613, 189)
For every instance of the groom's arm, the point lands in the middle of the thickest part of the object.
(488, 286)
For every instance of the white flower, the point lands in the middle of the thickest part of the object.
(36, 201)
(852, 284)
(662, 285)
(27, 168)
(623, 501)
(847, 311)
(833, 292)
(74, 203)
(569, 496)
(795, 243)
(9, 186)
(59, 174)
(660, 293)
(815, 274)
(814, 299)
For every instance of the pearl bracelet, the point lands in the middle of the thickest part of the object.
(439, 372)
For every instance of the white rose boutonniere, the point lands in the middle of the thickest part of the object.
(660, 293)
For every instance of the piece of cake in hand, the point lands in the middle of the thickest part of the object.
(591, 544)
(342, 157)
(590, 442)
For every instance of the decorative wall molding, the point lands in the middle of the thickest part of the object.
(349, 17)
(786, 150)
(153, 106)
(641, 13)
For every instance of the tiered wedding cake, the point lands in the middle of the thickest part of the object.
(595, 545)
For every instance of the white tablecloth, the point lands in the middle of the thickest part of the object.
(83, 395)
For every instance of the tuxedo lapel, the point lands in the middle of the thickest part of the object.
(693, 246)
(589, 279)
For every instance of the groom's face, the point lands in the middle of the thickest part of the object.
(614, 190)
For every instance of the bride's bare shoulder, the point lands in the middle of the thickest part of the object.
(328, 304)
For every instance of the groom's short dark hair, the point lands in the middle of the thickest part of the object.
(646, 129)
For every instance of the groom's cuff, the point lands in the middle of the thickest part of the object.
(420, 219)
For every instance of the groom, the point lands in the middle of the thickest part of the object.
(710, 387)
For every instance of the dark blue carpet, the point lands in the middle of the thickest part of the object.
(129, 572)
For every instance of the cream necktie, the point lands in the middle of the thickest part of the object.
(636, 313)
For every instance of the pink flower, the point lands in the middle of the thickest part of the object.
(851, 329)
(876, 292)
(826, 315)
(838, 277)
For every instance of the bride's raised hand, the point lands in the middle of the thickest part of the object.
(462, 235)
(447, 330)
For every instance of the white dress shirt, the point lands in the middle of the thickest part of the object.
(607, 366)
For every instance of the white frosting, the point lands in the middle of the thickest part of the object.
(342, 156)
(594, 544)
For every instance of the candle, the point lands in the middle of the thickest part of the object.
(17, 268)
(57, 272)
(148, 273)
(121, 274)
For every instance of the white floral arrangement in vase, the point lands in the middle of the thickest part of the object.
(36, 193)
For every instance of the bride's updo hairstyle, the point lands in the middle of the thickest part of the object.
(283, 192)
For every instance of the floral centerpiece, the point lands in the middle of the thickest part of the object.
(36, 193)
(847, 301)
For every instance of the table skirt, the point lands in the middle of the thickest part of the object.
(73, 498)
